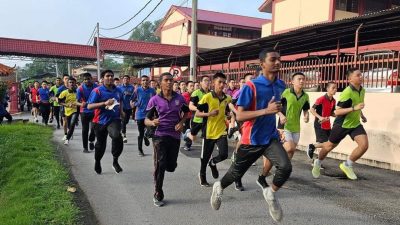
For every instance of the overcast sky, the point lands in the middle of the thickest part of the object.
(72, 21)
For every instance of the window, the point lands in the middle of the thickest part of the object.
(373, 5)
(222, 31)
(347, 5)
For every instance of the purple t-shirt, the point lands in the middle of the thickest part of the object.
(231, 92)
(168, 112)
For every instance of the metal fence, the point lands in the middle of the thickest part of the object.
(380, 71)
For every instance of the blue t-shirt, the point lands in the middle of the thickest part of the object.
(127, 95)
(83, 94)
(102, 115)
(143, 97)
(44, 95)
(261, 130)
(61, 89)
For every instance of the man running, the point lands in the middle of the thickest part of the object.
(56, 106)
(213, 108)
(143, 96)
(44, 98)
(257, 108)
(62, 108)
(186, 95)
(348, 114)
(35, 99)
(231, 90)
(105, 101)
(127, 91)
(87, 115)
(165, 112)
(68, 99)
(323, 109)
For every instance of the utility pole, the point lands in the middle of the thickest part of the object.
(69, 68)
(57, 72)
(193, 47)
(98, 51)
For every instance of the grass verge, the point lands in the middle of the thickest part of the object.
(33, 183)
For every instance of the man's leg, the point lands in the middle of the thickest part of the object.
(85, 131)
(222, 144)
(206, 152)
(92, 135)
(125, 121)
(46, 113)
(57, 115)
(100, 146)
(141, 126)
(114, 130)
(172, 154)
(71, 125)
(160, 157)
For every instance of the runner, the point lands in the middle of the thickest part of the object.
(168, 107)
(323, 109)
(68, 99)
(35, 99)
(44, 105)
(27, 94)
(257, 107)
(56, 106)
(3, 110)
(87, 115)
(176, 87)
(232, 125)
(213, 108)
(105, 101)
(143, 95)
(127, 91)
(62, 108)
(294, 100)
(347, 122)
(231, 89)
(186, 95)
(117, 82)
(182, 87)
(196, 86)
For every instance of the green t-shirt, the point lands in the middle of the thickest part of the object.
(292, 107)
(54, 90)
(350, 97)
(196, 96)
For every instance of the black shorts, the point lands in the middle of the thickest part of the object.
(338, 133)
(62, 111)
(195, 127)
(321, 135)
(36, 105)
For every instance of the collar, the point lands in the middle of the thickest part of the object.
(174, 94)
(113, 87)
(293, 92)
(202, 90)
(215, 95)
(266, 81)
(327, 97)
(354, 89)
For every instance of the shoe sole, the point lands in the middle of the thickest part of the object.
(259, 184)
(159, 204)
(217, 204)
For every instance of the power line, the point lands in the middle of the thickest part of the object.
(158, 4)
(91, 36)
(112, 28)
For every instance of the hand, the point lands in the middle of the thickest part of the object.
(363, 119)
(156, 122)
(213, 113)
(179, 126)
(323, 119)
(282, 119)
(123, 114)
(273, 107)
(132, 104)
(306, 119)
(83, 104)
(359, 106)
(109, 102)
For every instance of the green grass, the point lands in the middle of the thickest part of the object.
(33, 184)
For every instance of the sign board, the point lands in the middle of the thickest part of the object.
(176, 72)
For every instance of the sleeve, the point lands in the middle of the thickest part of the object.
(318, 102)
(185, 107)
(203, 104)
(151, 109)
(60, 89)
(245, 97)
(61, 97)
(194, 99)
(345, 100)
(79, 94)
(306, 105)
(94, 97)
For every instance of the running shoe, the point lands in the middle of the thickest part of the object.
(316, 170)
(310, 151)
(186, 148)
(146, 141)
(51, 121)
(216, 195)
(214, 170)
(348, 170)
(125, 140)
(117, 167)
(158, 198)
(262, 182)
(186, 136)
(91, 146)
(141, 154)
(275, 209)
(158, 203)
(64, 138)
(85, 150)
(97, 167)
(231, 131)
(239, 185)
(203, 181)
(66, 142)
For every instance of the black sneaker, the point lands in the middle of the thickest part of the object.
(310, 151)
(141, 154)
(146, 141)
(58, 126)
(117, 167)
(203, 181)
(158, 199)
(262, 182)
(91, 146)
(97, 167)
(85, 150)
(239, 186)
(214, 170)
(231, 131)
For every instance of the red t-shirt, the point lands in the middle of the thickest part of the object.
(186, 96)
(324, 107)
(35, 95)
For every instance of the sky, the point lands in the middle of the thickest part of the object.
(72, 21)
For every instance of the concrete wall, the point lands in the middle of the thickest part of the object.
(176, 16)
(290, 14)
(339, 14)
(383, 128)
(175, 36)
(211, 42)
(266, 29)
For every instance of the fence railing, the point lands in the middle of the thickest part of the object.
(380, 71)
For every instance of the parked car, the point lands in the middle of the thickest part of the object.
(381, 80)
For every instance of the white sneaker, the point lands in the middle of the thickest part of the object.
(64, 138)
(66, 142)
(216, 195)
(125, 140)
(275, 209)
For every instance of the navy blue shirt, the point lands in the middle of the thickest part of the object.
(143, 98)
(102, 115)
(44, 95)
(83, 94)
(61, 89)
(127, 95)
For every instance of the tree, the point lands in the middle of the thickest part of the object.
(111, 64)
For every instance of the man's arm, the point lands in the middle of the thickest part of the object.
(344, 111)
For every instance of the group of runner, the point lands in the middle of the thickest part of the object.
(176, 111)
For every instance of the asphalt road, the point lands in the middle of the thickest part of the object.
(126, 198)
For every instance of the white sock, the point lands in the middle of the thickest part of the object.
(349, 163)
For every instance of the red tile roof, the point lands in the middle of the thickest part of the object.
(222, 18)
(140, 48)
(9, 46)
(5, 70)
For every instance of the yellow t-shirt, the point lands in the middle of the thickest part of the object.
(214, 126)
(68, 97)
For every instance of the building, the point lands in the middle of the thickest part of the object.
(288, 15)
(92, 69)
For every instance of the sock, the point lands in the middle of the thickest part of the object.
(65, 133)
(349, 163)
(318, 162)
